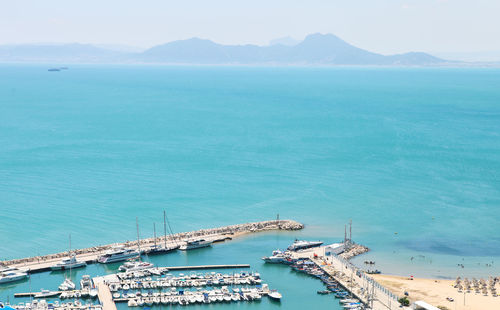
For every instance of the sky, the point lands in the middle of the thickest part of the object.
(383, 26)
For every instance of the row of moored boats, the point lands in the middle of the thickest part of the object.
(201, 296)
(116, 254)
(309, 267)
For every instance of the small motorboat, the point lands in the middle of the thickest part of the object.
(135, 266)
(275, 295)
(67, 285)
(93, 293)
(376, 271)
(46, 294)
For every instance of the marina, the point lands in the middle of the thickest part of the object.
(134, 282)
(138, 283)
(158, 286)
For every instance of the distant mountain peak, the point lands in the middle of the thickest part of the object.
(315, 49)
(322, 37)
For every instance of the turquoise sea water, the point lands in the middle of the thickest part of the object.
(409, 151)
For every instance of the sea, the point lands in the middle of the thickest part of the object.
(410, 155)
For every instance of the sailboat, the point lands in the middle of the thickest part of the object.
(70, 262)
(135, 264)
(119, 253)
(158, 249)
(68, 285)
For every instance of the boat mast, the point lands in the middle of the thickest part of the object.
(138, 240)
(154, 231)
(70, 263)
(165, 228)
(170, 228)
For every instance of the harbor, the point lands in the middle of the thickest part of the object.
(135, 282)
(127, 274)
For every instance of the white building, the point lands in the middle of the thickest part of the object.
(334, 249)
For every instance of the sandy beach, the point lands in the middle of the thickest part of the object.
(435, 292)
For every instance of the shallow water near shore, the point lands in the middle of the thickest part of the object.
(410, 155)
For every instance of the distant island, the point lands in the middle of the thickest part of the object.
(315, 49)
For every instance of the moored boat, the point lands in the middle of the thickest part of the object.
(67, 285)
(275, 295)
(161, 249)
(303, 244)
(46, 294)
(117, 254)
(10, 274)
(134, 266)
(278, 257)
(68, 263)
(85, 282)
(195, 244)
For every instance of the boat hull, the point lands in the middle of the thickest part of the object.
(108, 260)
(192, 247)
(161, 250)
(67, 267)
(13, 279)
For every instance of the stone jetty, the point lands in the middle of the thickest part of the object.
(215, 234)
(354, 250)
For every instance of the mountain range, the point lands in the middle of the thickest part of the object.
(315, 49)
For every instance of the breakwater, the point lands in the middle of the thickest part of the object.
(354, 250)
(40, 263)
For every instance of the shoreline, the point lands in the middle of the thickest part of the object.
(436, 292)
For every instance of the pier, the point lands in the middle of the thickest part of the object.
(208, 267)
(90, 255)
(360, 285)
(105, 297)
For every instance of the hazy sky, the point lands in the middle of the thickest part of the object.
(385, 26)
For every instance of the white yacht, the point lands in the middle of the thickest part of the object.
(117, 254)
(274, 294)
(46, 294)
(85, 283)
(195, 244)
(67, 285)
(93, 293)
(278, 257)
(134, 266)
(303, 244)
(69, 263)
(11, 274)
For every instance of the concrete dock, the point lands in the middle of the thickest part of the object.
(105, 297)
(208, 267)
(353, 279)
